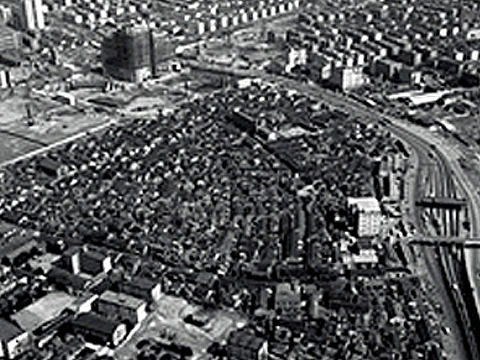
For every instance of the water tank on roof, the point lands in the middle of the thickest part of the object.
(474, 55)
(459, 56)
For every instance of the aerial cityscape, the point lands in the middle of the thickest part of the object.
(240, 180)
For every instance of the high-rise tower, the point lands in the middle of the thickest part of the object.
(31, 15)
(127, 54)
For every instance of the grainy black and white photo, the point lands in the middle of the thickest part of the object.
(240, 179)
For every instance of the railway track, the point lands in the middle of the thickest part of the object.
(439, 262)
(436, 179)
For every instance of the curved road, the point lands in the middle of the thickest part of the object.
(472, 256)
(445, 157)
(440, 258)
(449, 164)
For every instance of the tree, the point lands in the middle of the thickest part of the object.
(6, 261)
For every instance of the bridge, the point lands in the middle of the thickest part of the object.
(441, 202)
(445, 241)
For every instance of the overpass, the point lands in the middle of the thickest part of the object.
(445, 241)
(441, 202)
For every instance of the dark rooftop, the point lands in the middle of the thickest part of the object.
(9, 330)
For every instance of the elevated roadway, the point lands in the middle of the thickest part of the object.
(444, 258)
(441, 202)
(447, 241)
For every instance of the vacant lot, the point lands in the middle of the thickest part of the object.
(168, 318)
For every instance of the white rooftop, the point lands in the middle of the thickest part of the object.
(122, 299)
(42, 310)
(364, 203)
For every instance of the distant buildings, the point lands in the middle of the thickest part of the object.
(366, 215)
(132, 53)
(9, 39)
(28, 15)
(396, 41)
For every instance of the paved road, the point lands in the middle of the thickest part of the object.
(58, 143)
(115, 120)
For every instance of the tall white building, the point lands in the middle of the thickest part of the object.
(32, 17)
(38, 10)
(366, 215)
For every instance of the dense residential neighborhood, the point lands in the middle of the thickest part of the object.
(264, 180)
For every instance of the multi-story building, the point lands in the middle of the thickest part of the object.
(246, 346)
(94, 263)
(9, 38)
(99, 329)
(348, 77)
(142, 288)
(365, 215)
(120, 306)
(290, 235)
(28, 15)
(315, 308)
(287, 299)
(78, 260)
(127, 54)
(13, 340)
(295, 57)
(5, 14)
